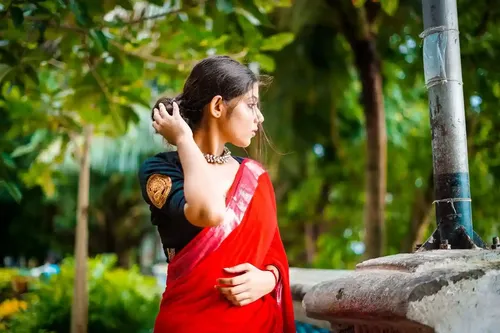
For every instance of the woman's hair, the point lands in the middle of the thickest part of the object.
(216, 75)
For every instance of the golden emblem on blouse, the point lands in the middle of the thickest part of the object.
(158, 188)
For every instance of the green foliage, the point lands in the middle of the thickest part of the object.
(64, 66)
(389, 6)
(6, 277)
(119, 301)
(314, 107)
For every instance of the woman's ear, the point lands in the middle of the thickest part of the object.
(217, 107)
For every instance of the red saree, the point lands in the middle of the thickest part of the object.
(249, 234)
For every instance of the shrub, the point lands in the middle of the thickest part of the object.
(7, 277)
(119, 301)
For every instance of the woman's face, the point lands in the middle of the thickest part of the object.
(241, 123)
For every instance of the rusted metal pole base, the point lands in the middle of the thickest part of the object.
(458, 238)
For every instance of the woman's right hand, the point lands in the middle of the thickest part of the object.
(172, 127)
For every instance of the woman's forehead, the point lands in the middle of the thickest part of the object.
(254, 91)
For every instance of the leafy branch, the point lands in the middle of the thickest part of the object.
(149, 57)
(161, 60)
(153, 17)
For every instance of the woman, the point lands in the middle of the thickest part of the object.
(216, 214)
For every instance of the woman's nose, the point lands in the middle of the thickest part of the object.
(259, 116)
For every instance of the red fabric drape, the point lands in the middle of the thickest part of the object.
(249, 234)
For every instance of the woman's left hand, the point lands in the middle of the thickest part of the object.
(247, 287)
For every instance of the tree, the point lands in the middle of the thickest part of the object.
(340, 27)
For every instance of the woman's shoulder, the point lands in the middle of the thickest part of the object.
(159, 176)
(165, 163)
(171, 157)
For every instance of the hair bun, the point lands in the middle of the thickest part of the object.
(190, 115)
(168, 102)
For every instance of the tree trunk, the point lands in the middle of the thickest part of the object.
(124, 257)
(357, 24)
(109, 234)
(310, 241)
(79, 311)
(334, 133)
(420, 214)
(313, 228)
(368, 65)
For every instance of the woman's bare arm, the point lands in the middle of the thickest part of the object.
(205, 204)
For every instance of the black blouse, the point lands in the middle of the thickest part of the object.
(168, 213)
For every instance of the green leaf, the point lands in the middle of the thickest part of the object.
(225, 6)
(12, 189)
(4, 70)
(31, 74)
(50, 6)
(389, 6)
(7, 161)
(126, 4)
(100, 40)
(35, 140)
(119, 123)
(250, 7)
(266, 62)
(129, 115)
(248, 25)
(17, 16)
(358, 3)
(80, 11)
(61, 3)
(277, 42)
(135, 97)
(35, 56)
(496, 89)
(157, 2)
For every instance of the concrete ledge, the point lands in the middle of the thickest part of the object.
(302, 280)
(444, 291)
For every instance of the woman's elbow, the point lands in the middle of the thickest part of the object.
(204, 217)
(215, 217)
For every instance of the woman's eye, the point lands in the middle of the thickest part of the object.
(251, 106)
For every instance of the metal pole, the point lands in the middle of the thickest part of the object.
(443, 77)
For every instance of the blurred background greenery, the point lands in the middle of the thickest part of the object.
(347, 115)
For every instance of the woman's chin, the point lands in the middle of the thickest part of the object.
(242, 143)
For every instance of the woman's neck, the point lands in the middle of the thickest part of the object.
(209, 142)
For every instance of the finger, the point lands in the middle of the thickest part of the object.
(243, 288)
(175, 112)
(156, 116)
(156, 126)
(245, 302)
(231, 299)
(241, 268)
(163, 111)
(241, 297)
(233, 281)
(241, 302)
